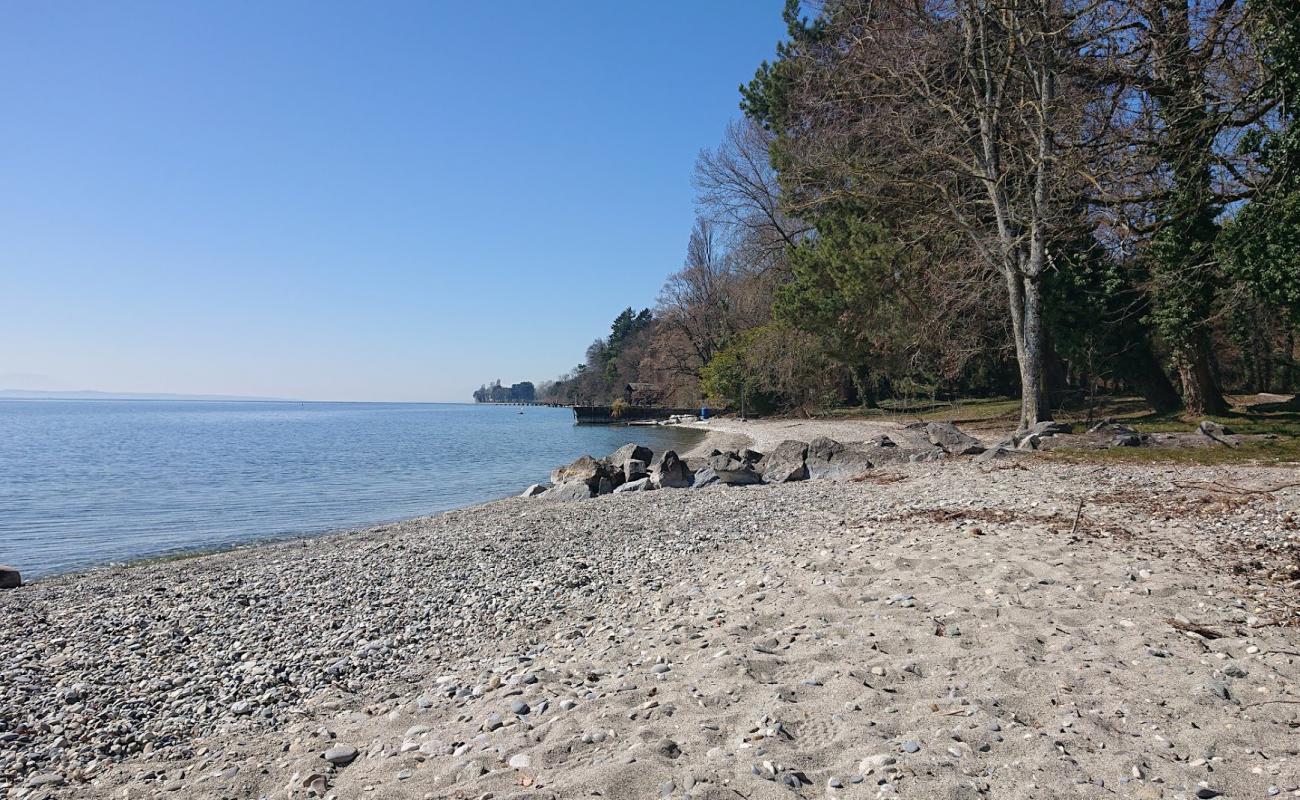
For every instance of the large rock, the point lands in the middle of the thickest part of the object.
(10, 578)
(618, 459)
(635, 469)
(576, 490)
(827, 459)
(840, 466)
(1049, 427)
(638, 485)
(585, 470)
(997, 454)
(1218, 433)
(534, 490)
(733, 470)
(823, 448)
(952, 440)
(667, 471)
(785, 463)
(705, 477)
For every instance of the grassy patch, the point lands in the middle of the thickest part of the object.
(1005, 412)
(1275, 451)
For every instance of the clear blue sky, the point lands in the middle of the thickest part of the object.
(362, 201)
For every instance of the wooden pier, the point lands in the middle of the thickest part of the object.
(604, 415)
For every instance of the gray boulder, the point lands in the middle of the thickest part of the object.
(667, 471)
(845, 464)
(880, 441)
(1110, 425)
(534, 490)
(605, 486)
(997, 454)
(618, 459)
(705, 477)
(1049, 427)
(827, 459)
(785, 463)
(823, 448)
(576, 490)
(10, 578)
(733, 470)
(638, 485)
(1218, 433)
(585, 470)
(750, 456)
(952, 440)
(1126, 440)
(635, 468)
(1029, 441)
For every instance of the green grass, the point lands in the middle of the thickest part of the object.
(1285, 425)
(1277, 451)
(1005, 412)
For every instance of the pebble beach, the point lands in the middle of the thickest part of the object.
(933, 630)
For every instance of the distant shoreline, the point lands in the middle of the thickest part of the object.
(119, 398)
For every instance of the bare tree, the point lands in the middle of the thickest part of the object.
(737, 188)
(948, 116)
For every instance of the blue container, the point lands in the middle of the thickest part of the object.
(704, 412)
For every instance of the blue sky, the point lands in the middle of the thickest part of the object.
(360, 201)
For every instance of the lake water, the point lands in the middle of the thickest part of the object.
(84, 483)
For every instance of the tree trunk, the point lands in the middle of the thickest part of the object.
(1150, 379)
(1201, 393)
(1034, 407)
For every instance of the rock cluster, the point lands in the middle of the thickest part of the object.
(632, 468)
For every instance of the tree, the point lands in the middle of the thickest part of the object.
(956, 108)
(1262, 244)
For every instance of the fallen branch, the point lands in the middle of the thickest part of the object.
(1223, 488)
(1199, 630)
(1078, 513)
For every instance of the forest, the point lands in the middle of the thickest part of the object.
(1047, 200)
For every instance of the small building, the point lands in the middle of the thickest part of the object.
(642, 394)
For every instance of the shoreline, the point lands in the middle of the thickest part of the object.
(671, 636)
(269, 540)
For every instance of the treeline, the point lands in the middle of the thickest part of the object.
(1042, 198)
(494, 392)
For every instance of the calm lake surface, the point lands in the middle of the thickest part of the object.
(85, 483)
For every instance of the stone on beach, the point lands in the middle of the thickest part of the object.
(10, 578)
(668, 471)
(732, 470)
(534, 490)
(785, 463)
(340, 755)
(568, 491)
(584, 470)
(828, 459)
(618, 459)
(635, 469)
(952, 439)
(638, 485)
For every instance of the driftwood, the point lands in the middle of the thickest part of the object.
(1224, 488)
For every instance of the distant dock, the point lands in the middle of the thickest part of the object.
(604, 415)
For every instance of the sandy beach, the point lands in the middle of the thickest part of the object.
(1028, 629)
